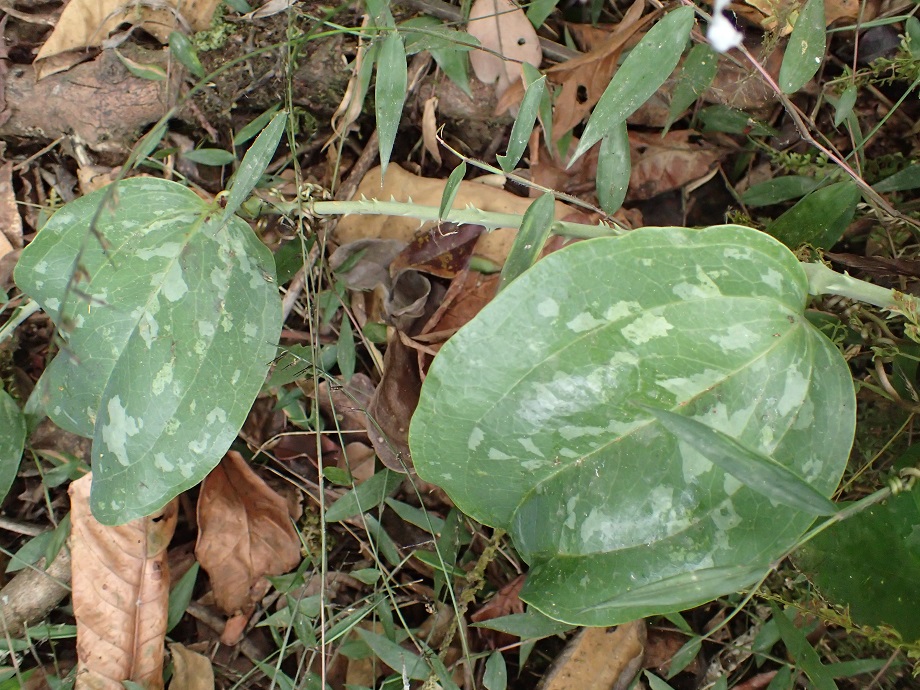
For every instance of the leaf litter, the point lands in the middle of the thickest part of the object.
(407, 295)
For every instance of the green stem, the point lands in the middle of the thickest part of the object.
(489, 219)
(21, 313)
(825, 281)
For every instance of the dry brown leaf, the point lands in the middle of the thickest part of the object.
(664, 164)
(400, 185)
(599, 659)
(504, 29)
(392, 406)
(191, 671)
(244, 532)
(10, 220)
(768, 13)
(430, 128)
(120, 594)
(585, 78)
(88, 23)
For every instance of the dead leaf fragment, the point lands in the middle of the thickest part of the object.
(192, 671)
(88, 23)
(120, 594)
(503, 29)
(10, 220)
(245, 532)
(599, 659)
(662, 164)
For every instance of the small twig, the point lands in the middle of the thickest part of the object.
(21, 527)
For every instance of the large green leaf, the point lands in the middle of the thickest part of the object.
(870, 563)
(528, 417)
(168, 334)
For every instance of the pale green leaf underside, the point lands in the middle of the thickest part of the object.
(168, 342)
(527, 417)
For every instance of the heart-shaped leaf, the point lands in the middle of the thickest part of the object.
(528, 417)
(170, 324)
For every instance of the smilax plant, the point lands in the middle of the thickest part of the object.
(649, 415)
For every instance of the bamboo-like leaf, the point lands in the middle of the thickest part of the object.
(755, 470)
(643, 71)
(613, 168)
(532, 235)
(805, 50)
(253, 165)
(696, 75)
(450, 189)
(390, 93)
(523, 125)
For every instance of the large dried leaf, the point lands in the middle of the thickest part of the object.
(88, 23)
(662, 164)
(503, 28)
(584, 78)
(244, 532)
(192, 671)
(120, 594)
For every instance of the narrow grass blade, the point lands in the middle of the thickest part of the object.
(183, 50)
(450, 190)
(695, 77)
(802, 652)
(254, 164)
(756, 471)
(805, 50)
(531, 237)
(641, 74)
(390, 93)
(523, 125)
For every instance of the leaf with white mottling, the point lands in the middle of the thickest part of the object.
(168, 333)
(618, 518)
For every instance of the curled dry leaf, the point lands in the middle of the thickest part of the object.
(10, 220)
(120, 594)
(192, 671)
(88, 23)
(244, 532)
(503, 29)
(430, 128)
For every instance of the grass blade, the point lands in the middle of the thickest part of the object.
(756, 471)
(390, 93)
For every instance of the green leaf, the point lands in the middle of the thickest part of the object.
(253, 165)
(399, 659)
(422, 519)
(523, 125)
(213, 157)
(906, 179)
(805, 50)
(345, 350)
(844, 106)
(912, 33)
(755, 470)
(617, 517)
(450, 189)
(801, 651)
(183, 50)
(140, 70)
(181, 595)
(779, 189)
(30, 553)
(695, 77)
(819, 219)
(684, 656)
(614, 167)
(168, 333)
(539, 10)
(364, 497)
(12, 441)
(655, 683)
(721, 118)
(532, 235)
(870, 563)
(428, 33)
(390, 93)
(643, 71)
(528, 625)
(252, 128)
(496, 673)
